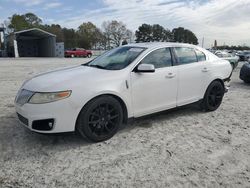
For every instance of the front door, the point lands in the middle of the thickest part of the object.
(153, 92)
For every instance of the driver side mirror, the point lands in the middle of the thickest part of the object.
(144, 68)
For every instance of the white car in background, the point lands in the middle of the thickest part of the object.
(127, 82)
(233, 59)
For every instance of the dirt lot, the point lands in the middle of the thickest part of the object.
(178, 148)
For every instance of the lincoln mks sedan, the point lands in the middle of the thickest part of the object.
(127, 82)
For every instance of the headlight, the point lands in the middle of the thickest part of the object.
(40, 98)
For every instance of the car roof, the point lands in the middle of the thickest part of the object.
(161, 44)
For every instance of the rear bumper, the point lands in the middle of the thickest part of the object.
(227, 86)
(227, 82)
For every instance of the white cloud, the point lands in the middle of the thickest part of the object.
(29, 3)
(226, 21)
(65, 9)
(52, 5)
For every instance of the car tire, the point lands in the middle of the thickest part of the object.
(247, 81)
(100, 119)
(72, 56)
(213, 96)
(89, 55)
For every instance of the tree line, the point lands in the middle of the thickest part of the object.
(110, 35)
(226, 47)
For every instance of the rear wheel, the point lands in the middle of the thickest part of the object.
(89, 55)
(100, 119)
(246, 81)
(213, 96)
(72, 55)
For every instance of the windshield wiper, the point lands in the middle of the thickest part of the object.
(96, 66)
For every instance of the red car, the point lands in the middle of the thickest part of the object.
(78, 52)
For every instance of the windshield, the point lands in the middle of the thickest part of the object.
(117, 59)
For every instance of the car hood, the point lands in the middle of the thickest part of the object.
(66, 79)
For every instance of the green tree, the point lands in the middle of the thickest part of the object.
(240, 48)
(144, 33)
(70, 38)
(54, 29)
(153, 33)
(160, 34)
(89, 35)
(18, 23)
(184, 35)
(32, 19)
(21, 22)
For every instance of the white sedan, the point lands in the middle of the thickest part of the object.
(127, 82)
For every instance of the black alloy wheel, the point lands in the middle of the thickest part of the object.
(100, 119)
(213, 97)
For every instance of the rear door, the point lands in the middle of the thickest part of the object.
(192, 70)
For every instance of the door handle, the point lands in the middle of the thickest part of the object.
(205, 69)
(170, 75)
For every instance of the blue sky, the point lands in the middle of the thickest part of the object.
(224, 20)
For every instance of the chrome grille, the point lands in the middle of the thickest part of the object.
(23, 96)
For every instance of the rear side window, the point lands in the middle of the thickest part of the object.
(186, 55)
(200, 55)
(159, 58)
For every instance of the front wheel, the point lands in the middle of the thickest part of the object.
(89, 56)
(213, 96)
(100, 119)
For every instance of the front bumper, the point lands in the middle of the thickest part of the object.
(55, 117)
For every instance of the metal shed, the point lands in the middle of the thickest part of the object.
(34, 43)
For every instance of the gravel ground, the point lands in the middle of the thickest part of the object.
(178, 148)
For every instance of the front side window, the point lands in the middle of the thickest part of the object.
(200, 55)
(117, 59)
(159, 58)
(186, 55)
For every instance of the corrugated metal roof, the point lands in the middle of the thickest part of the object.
(34, 32)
